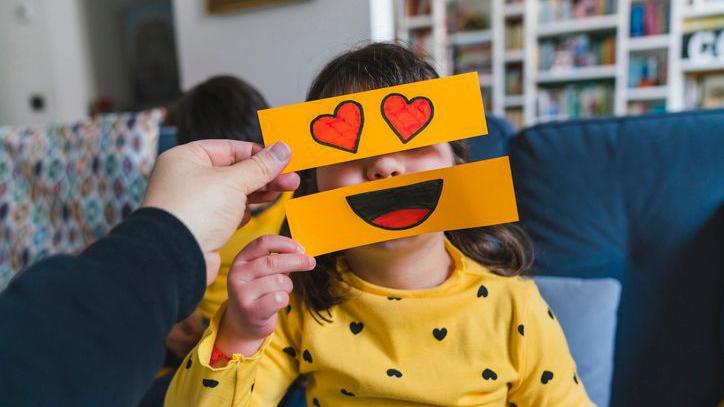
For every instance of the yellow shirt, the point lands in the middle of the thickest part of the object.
(267, 222)
(478, 339)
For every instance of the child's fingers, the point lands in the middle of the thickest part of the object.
(253, 290)
(278, 264)
(267, 244)
(269, 304)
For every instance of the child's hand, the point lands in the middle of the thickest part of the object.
(258, 287)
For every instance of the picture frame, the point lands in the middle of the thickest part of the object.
(231, 6)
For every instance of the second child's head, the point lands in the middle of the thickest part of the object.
(221, 107)
(504, 249)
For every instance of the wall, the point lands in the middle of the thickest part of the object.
(44, 53)
(277, 49)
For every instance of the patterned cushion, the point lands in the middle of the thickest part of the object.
(63, 186)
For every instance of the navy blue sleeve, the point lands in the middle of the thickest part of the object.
(90, 329)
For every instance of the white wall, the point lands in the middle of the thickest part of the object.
(277, 49)
(43, 54)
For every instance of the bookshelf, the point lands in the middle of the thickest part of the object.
(541, 60)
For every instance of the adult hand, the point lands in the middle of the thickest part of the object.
(207, 185)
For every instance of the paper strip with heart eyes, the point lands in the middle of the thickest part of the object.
(459, 197)
(375, 122)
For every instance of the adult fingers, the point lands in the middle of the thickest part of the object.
(222, 153)
(263, 197)
(261, 168)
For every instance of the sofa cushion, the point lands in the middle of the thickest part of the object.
(631, 198)
(586, 309)
(64, 185)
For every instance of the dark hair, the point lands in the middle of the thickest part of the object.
(221, 107)
(504, 249)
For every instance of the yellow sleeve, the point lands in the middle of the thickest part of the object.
(196, 383)
(548, 374)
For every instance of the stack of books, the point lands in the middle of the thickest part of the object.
(648, 106)
(514, 35)
(418, 7)
(649, 17)
(576, 100)
(555, 10)
(421, 41)
(473, 58)
(577, 51)
(514, 80)
(468, 15)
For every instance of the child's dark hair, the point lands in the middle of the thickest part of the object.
(221, 107)
(504, 249)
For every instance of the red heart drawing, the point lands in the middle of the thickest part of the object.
(339, 130)
(407, 118)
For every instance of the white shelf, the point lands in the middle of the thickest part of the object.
(536, 32)
(471, 37)
(514, 56)
(690, 67)
(417, 22)
(578, 25)
(647, 93)
(577, 74)
(649, 42)
(711, 10)
(514, 10)
(486, 79)
(513, 101)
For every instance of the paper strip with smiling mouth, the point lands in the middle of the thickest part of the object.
(397, 208)
(458, 197)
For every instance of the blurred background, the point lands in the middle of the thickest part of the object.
(630, 207)
(538, 59)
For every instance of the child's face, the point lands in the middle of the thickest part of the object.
(384, 166)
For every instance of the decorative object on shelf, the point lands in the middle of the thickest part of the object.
(647, 68)
(229, 6)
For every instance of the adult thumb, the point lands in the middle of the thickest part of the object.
(261, 168)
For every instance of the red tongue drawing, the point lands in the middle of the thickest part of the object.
(407, 118)
(401, 218)
(342, 129)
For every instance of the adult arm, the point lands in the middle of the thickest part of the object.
(89, 329)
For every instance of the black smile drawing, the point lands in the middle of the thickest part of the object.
(397, 208)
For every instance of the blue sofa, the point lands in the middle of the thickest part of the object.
(639, 199)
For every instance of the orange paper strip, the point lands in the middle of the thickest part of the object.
(464, 196)
(376, 122)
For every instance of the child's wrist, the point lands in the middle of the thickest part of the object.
(230, 342)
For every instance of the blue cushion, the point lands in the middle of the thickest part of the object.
(166, 138)
(495, 143)
(586, 309)
(635, 199)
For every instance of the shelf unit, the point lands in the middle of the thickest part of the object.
(520, 70)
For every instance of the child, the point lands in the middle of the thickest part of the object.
(222, 107)
(435, 319)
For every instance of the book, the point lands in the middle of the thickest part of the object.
(649, 17)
